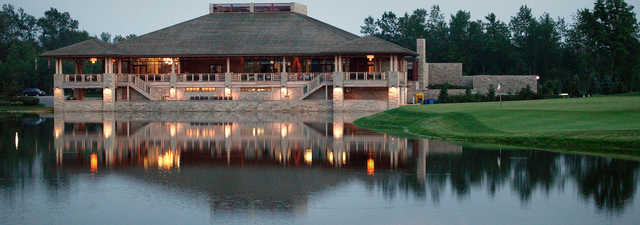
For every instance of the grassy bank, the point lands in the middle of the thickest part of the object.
(28, 109)
(608, 123)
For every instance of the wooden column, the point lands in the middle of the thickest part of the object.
(228, 65)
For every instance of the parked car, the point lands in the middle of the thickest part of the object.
(33, 92)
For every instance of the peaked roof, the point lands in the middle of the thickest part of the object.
(91, 47)
(274, 33)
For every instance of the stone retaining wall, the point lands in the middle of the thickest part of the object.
(364, 106)
(200, 106)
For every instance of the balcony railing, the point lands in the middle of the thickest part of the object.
(365, 76)
(143, 77)
(82, 78)
(201, 77)
(306, 76)
(255, 77)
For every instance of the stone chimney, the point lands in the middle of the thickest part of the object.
(423, 66)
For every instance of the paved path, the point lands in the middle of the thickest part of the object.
(46, 101)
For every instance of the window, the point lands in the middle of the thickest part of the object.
(200, 89)
(255, 89)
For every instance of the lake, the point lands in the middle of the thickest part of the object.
(278, 168)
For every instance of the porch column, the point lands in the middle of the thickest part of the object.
(228, 65)
(338, 82)
(393, 84)
(108, 86)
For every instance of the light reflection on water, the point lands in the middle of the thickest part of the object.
(199, 168)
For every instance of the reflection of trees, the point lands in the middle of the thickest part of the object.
(17, 167)
(609, 182)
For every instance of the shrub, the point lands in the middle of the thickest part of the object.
(29, 101)
(444, 95)
(526, 94)
(491, 94)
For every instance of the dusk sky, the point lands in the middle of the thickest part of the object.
(143, 16)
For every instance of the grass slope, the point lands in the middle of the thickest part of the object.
(610, 122)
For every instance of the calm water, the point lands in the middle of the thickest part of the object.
(196, 168)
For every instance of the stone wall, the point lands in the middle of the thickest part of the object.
(443, 73)
(225, 106)
(79, 106)
(364, 106)
(434, 93)
(511, 84)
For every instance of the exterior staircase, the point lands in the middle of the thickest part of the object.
(314, 85)
(141, 87)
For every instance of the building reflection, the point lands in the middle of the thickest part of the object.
(170, 145)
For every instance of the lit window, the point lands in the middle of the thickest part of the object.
(200, 89)
(255, 89)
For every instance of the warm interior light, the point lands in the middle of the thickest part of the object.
(168, 60)
(283, 91)
(94, 162)
(168, 160)
(308, 156)
(93, 60)
(370, 57)
(344, 158)
(370, 166)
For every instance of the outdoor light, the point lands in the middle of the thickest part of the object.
(537, 77)
(107, 130)
(168, 60)
(370, 57)
(107, 92)
(93, 60)
(227, 92)
(172, 92)
(283, 91)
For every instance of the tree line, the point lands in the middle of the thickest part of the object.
(596, 53)
(24, 37)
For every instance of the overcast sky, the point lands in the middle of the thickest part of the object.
(144, 16)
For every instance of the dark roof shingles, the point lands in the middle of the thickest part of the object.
(244, 34)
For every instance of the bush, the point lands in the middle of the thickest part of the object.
(444, 95)
(526, 94)
(29, 101)
(491, 94)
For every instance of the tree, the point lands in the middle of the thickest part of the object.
(611, 29)
(106, 37)
(369, 28)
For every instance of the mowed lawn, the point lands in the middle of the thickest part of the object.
(611, 122)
